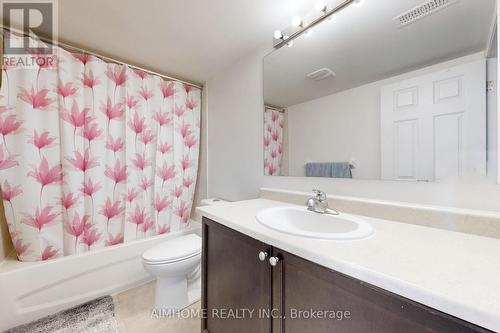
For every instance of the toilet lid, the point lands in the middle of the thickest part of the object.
(174, 249)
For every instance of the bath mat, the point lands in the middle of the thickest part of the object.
(96, 316)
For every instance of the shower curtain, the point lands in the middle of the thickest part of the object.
(273, 141)
(94, 154)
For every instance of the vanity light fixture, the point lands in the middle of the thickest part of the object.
(321, 6)
(304, 28)
(278, 34)
(297, 22)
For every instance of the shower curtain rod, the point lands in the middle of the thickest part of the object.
(100, 56)
(275, 108)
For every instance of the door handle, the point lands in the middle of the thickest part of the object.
(263, 255)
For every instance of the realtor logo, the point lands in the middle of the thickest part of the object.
(26, 20)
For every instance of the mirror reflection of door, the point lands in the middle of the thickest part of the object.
(433, 126)
(377, 93)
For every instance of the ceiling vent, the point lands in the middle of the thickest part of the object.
(421, 11)
(321, 74)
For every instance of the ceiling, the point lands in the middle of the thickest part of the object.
(363, 44)
(190, 39)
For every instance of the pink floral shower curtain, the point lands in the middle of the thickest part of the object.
(273, 141)
(94, 154)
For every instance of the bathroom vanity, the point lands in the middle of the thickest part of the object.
(258, 280)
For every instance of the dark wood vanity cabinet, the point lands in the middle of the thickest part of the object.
(298, 296)
(234, 279)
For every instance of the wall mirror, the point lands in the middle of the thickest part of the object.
(374, 93)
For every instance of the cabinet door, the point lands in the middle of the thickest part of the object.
(234, 279)
(299, 285)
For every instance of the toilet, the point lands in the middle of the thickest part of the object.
(176, 266)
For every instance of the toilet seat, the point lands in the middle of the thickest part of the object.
(173, 250)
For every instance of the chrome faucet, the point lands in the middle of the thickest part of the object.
(319, 203)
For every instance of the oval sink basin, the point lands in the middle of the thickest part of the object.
(299, 221)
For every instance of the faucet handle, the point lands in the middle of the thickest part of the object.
(320, 195)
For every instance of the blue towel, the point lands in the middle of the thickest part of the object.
(341, 170)
(318, 169)
(331, 170)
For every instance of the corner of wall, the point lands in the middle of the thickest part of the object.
(235, 129)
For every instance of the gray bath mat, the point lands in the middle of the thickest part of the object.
(97, 316)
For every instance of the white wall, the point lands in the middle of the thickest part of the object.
(235, 130)
(498, 75)
(346, 125)
(338, 127)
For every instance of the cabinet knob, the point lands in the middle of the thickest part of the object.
(273, 261)
(262, 255)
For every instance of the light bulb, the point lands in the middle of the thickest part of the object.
(321, 6)
(297, 21)
(278, 34)
(289, 43)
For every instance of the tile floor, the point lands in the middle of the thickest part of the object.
(133, 310)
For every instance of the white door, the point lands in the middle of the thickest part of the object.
(433, 127)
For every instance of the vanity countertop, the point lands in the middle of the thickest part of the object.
(453, 272)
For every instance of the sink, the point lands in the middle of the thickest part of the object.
(299, 221)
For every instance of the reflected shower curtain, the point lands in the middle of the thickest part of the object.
(94, 154)
(274, 121)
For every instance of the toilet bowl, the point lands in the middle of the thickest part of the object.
(175, 264)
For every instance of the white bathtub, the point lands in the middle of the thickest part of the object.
(29, 291)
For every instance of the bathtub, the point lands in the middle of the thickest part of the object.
(32, 290)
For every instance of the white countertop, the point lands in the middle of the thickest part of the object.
(452, 272)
